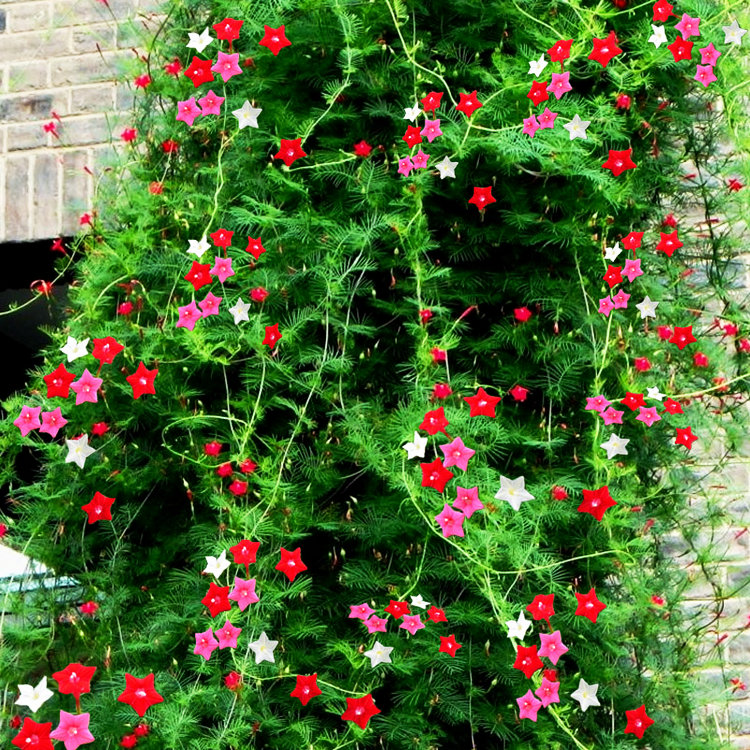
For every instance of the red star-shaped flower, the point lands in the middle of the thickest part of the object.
(672, 407)
(560, 51)
(632, 241)
(217, 599)
(542, 608)
(435, 475)
(434, 421)
(200, 71)
(482, 197)
(633, 400)
(274, 39)
(685, 437)
(291, 563)
(669, 242)
(482, 405)
(244, 552)
(58, 382)
(306, 688)
(619, 161)
(142, 381)
(613, 275)
(221, 237)
(272, 335)
(34, 735)
(596, 502)
(538, 92)
(290, 151)
(99, 508)
(638, 721)
(140, 693)
(527, 660)
(519, 393)
(681, 49)
(198, 275)
(362, 148)
(682, 336)
(360, 710)
(398, 609)
(228, 29)
(255, 247)
(605, 49)
(432, 101)
(412, 136)
(436, 614)
(448, 645)
(588, 605)
(75, 679)
(106, 349)
(662, 11)
(469, 103)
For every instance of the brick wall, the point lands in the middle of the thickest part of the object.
(59, 56)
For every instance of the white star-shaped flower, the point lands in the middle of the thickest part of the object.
(75, 349)
(615, 446)
(659, 36)
(411, 113)
(416, 448)
(518, 628)
(513, 491)
(263, 649)
(379, 654)
(418, 601)
(79, 450)
(240, 310)
(537, 66)
(34, 697)
(247, 115)
(198, 247)
(647, 308)
(447, 168)
(611, 253)
(577, 127)
(586, 694)
(733, 33)
(199, 42)
(655, 393)
(216, 565)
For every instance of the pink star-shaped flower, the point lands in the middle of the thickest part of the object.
(405, 166)
(210, 305)
(560, 84)
(621, 300)
(227, 65)
(188, 110)
(362, 611)
(552, 646)
(244, 593)
(530, 125)
(704, 74)
(547, 118)
(612, 416)
(467, 501)
(205, 644)
(451, 521)
(72, 731)
(632, 269)
(688, 26)
(648, 415)
(189, 316)
(431, 130)
(28, 419)
(376, 624)
(419, 160)
(211, 104)
(528, 706)
(86, 388)
(606, 305)
(457, 454)
(596, 403)
(222, 269)
(412, 623)
(547, 692)
(52, 422)
(709, 55)
(228, 635)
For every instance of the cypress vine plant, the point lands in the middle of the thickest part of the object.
(321, 376)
